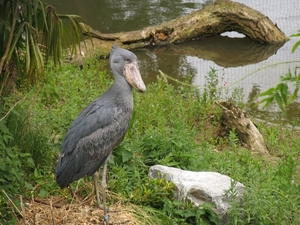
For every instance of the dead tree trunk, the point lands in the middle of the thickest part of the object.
(222, 16)
(235, 118)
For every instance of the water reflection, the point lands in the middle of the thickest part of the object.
(227, 52)
(240, 62)
(109, 16)
(186, 58)
(165, 59)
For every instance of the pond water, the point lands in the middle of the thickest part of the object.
(241, 63)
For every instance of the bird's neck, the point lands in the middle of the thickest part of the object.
(122, 90)
(122, 84)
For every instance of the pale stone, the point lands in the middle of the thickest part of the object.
(200, 187)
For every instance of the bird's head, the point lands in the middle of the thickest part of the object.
(124, 63)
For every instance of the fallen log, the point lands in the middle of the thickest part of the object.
(234, 118)
(214, 19)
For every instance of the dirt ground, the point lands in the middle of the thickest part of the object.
(57, 210)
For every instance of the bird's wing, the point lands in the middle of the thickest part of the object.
(94, 117)
(89, 141)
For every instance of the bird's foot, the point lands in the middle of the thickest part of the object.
(108, 209)
(106, 218)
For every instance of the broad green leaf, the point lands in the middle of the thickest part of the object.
(284, 93)
(268, 92)
(286, 77)
(296, 35)
(43, 193)
(37, 172)
(214, 218)
(270, 98)
(269, 101)
(31, 162)
(28, 186)
(126, 155)
(293, 96)
(295, 46)
(278, 87)
(279, 101)
(189, 213)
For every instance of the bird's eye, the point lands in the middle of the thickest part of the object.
(127, 61)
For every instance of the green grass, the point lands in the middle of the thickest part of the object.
(173, 126)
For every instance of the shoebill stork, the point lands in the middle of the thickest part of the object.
(101, 126)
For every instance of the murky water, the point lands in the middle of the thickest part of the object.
(240, 62)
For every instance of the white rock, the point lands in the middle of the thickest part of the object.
(200, 187)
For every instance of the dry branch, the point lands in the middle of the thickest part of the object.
(235, 118)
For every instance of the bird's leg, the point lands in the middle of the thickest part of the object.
(103, 183)
(71, 191)
(96, 177)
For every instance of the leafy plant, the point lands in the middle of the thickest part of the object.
(152, 192)
(171, 126)
(211, 92)
(233, 140)
(297, 43)
(11, 169)
(26, 159)
(186, 213)
(280, 93)
(168, 147)
(130, 178)
(31, 33)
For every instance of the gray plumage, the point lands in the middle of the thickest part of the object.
(102, 125)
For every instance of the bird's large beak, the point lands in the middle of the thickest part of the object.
(133, 76)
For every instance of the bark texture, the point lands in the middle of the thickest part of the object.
(235, 118)
(222, 16)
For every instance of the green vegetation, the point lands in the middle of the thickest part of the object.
(173, 126)
(31, 33)
(280, 93)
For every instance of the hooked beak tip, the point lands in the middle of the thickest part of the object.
(143, 91)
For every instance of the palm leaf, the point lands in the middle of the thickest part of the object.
(39, 34)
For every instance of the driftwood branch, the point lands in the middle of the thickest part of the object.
(235, 118)
(212, 20)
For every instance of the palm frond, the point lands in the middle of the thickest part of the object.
(32, 32)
